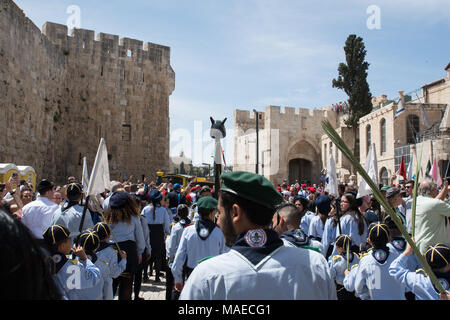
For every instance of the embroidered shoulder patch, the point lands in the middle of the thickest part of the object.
(204, 232)
(256, 238)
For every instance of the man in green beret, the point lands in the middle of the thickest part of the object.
(258, 266)
(201, 240)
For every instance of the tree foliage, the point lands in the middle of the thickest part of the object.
(352, 79)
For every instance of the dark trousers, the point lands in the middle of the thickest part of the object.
(138, 275)
(158, 248)
(125, 281)
(343, 294)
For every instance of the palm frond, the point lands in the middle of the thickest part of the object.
(336, 139)
(414, 195)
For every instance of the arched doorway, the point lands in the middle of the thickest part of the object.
(300, 170)
(384, 177)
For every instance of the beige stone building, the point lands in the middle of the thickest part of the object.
(411, 131)
(289, 142)
(60, 94)
(293, 146)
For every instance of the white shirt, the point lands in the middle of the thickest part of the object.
(287, 273)
(38, 216)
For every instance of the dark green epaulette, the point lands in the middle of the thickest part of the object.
(204, 259)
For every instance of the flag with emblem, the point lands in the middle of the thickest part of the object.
(400, 109)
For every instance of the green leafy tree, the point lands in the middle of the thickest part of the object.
(352, 79)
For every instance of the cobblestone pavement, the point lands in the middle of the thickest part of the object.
(151, 290)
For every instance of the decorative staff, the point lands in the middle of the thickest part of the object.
(217, 132)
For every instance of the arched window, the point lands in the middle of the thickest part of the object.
(384, 177)
(383, 136)
(368, 138)
(412, 128)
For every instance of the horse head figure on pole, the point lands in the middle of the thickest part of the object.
(217, 132)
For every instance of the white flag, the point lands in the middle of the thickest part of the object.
(409, 171)
(425, 120)
(99, 180)
(331, 180)
(85, 177)
(371, 168)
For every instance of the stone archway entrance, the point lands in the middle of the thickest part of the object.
(300, 170)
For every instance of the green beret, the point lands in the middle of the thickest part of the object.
(206, 204)
(252, 187)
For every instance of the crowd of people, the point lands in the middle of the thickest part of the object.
(249, 240)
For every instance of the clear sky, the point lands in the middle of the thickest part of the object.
(245, 54)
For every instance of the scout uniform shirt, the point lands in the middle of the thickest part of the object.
(416, 281)
(174, 239)
(72, 276)
(71, 219)
(373, 280)
(298, 238)
(306, 221)
(260, 267)
(204, 239)
(110, 268)
(338, 265)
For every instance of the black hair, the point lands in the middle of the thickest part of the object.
(182, 211)
(354, 211)
(256, 213)
(293, 216)
(26, 273)
(378, 234)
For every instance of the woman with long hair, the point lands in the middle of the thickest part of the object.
(123, 217)
(352, 222)
(159, 226)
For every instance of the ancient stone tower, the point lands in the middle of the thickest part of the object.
(60, 94)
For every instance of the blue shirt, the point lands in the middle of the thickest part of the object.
(306, 220)
(110, 268)
(161, 217)
(192, 249)
(124, 231)
(329, 234)
(374, 282)
(417, 283)
(75, 276)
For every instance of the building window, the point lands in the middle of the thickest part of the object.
(368, 138)
(412, 128)
(126, 132)
(383, 135)
(325, 152)
(384, 177)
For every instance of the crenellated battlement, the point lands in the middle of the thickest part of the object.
(285, 115)
(105, 44)
(61, 93)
